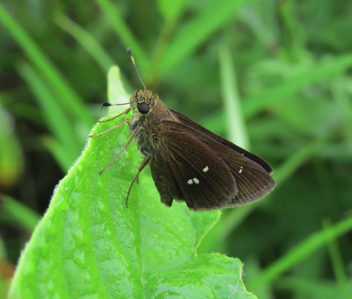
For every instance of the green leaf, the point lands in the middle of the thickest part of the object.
(11, 161)
(206, 276)
(89, 245)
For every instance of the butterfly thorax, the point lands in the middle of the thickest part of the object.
(148, 113)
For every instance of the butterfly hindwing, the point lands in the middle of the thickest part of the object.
(164, 179)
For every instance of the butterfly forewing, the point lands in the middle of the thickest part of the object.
(192, 124)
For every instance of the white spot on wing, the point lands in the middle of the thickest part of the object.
(206, 168)
(190, 182)
(240, 171)
(196, 180)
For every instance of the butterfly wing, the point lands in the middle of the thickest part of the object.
(185, 168)
(253, 181)
(190, 152)
(192, 124)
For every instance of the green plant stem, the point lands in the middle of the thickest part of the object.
(336, 260)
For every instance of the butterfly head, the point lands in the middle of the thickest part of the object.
(143, 101)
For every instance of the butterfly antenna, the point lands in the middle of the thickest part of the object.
(109, 104)
(132, 58)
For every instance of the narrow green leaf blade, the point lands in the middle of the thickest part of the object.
(236, 127)
(301, 251)
(13, 211)
(87, 41)
(193, 34)
(56, 118)
(117, 22)
(170, 10)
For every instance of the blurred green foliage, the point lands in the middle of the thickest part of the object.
(290, 67)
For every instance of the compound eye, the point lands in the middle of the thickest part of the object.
(143, 108)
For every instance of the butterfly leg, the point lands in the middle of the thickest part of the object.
(125, 148)
(116, 116)
(145, 162)
(119, 125)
